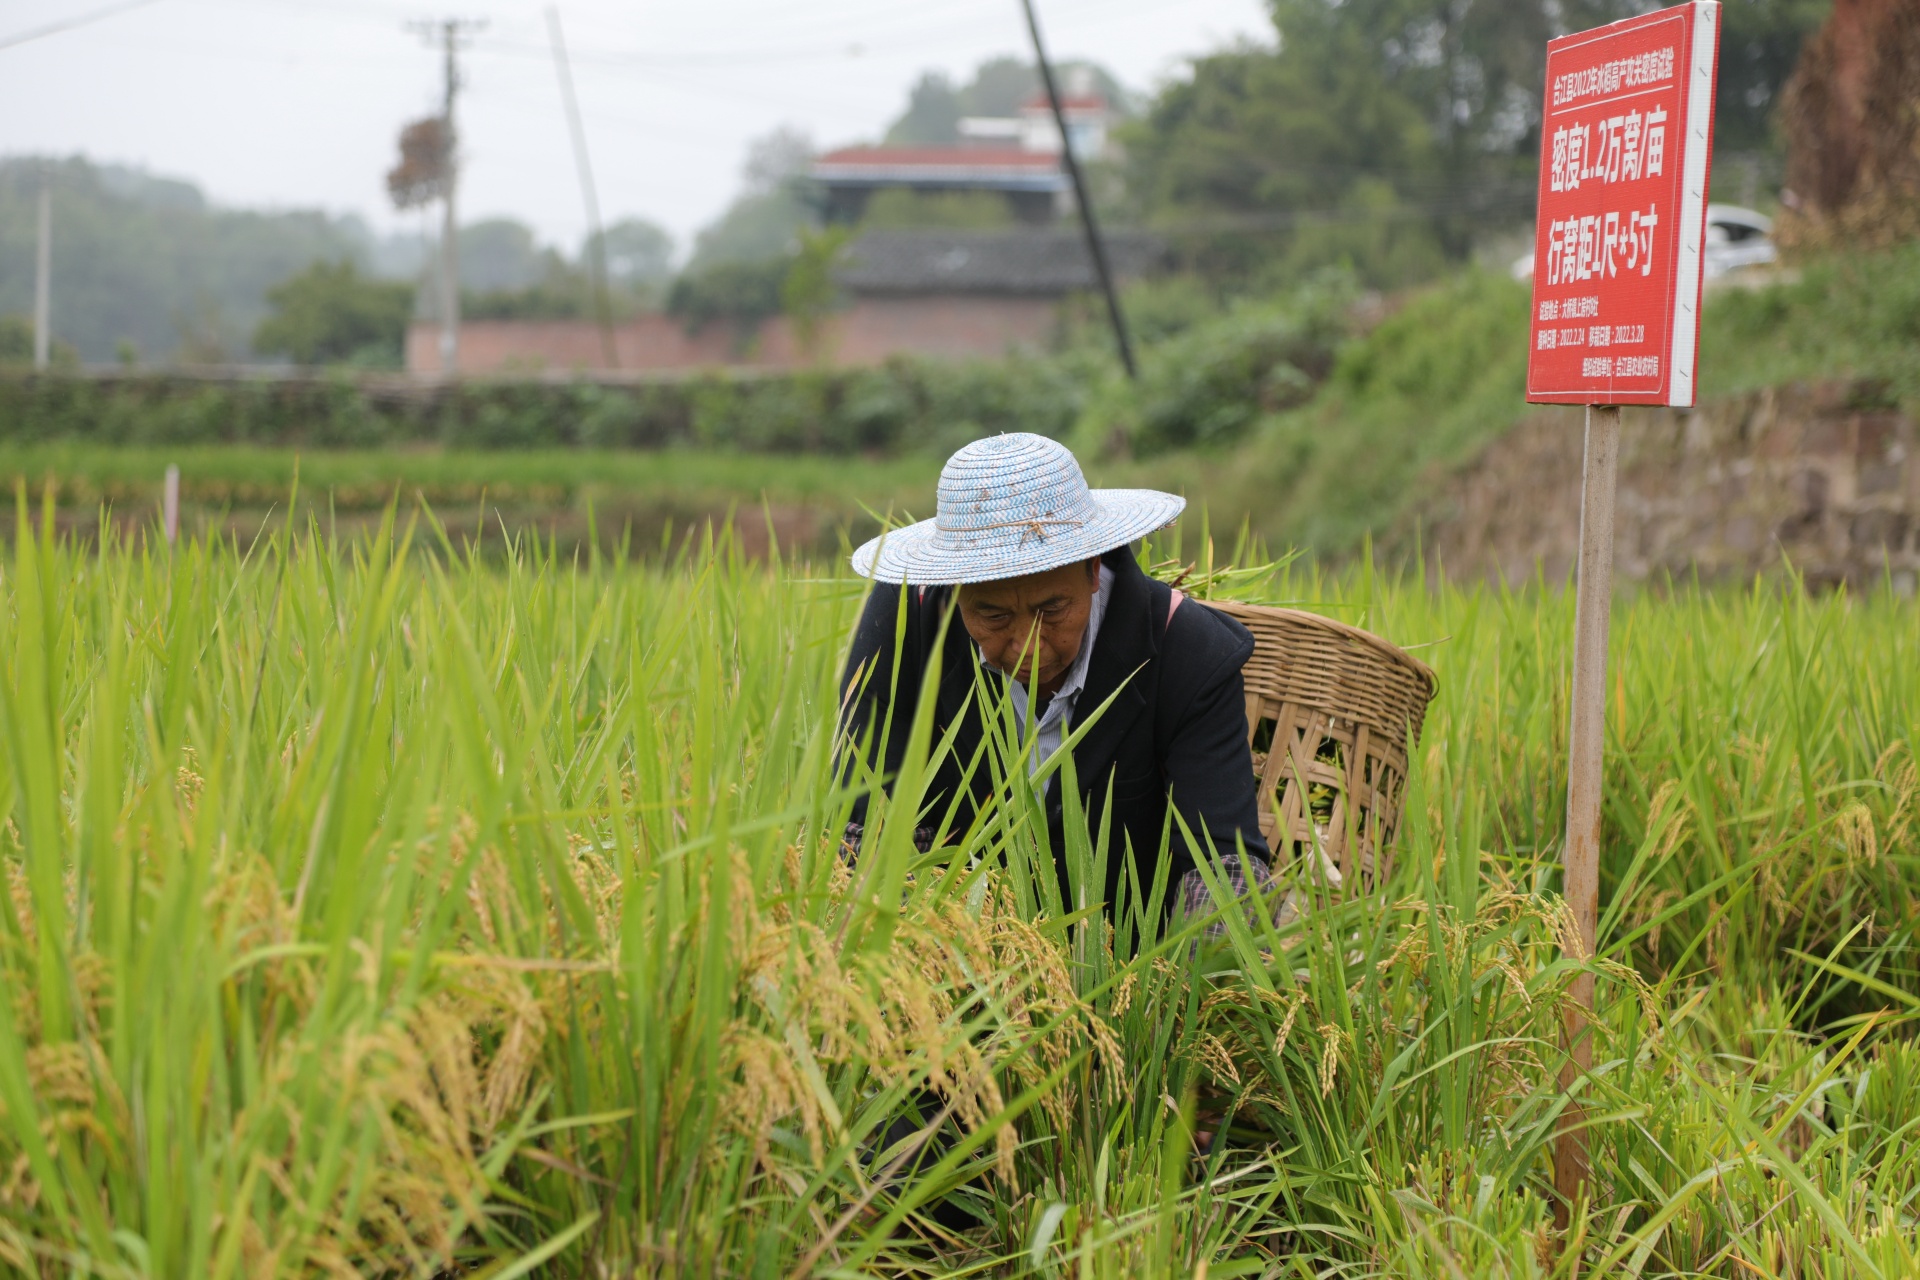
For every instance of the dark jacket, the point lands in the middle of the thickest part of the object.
(1176, 733)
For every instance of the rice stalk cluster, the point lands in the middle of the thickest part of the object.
(376, 909)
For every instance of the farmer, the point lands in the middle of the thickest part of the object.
(1051, 605)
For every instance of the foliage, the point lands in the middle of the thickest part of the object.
(900, 208)
(16, 347)
(765, 220)
(330, 313)
(501, 254)
(134, 254)
(16, 340)
(1857, 313)
(902, 406)
(1209, 386)
(1431, 383)
(422, 915)
(1386, 408)
(1760, 44)
(808, 293)
(1157, 307)
(1445, 375)
(639, 253)
(1000, 87)
(1395, 134)
(1310, 139)
(1853, 138)
(741, 293)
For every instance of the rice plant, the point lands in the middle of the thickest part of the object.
(378, 909)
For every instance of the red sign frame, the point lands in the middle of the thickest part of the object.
(1626, 143)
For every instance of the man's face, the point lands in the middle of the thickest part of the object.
(1048, 609)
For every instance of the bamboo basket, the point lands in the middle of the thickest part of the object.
(1334, 708)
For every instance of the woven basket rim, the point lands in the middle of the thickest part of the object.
(1386, 649)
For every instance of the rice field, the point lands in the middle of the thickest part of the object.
(376, 909)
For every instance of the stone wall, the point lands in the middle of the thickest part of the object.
(1826, 478)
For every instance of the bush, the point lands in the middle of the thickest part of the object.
(741, 293)
(330, 313)
(1210, 384)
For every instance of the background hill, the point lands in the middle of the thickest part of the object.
(150, 262)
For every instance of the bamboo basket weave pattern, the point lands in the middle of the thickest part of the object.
(1338, 708)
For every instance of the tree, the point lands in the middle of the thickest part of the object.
(1854, 133)
(1000, 87)
(932, 115)
(808, 292)
(1395, 134)
(16, 340)
(639, 253)
(741, 293)
(500, 253)
(331, 313)
(133, 253)
(1760, 43)
(764, 222)
(775, 160)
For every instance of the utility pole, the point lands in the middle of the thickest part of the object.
(43, 276)
(596, 238)
(449, 33)
(1095, 249)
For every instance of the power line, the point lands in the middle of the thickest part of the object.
(85, 19)
(1095, 249)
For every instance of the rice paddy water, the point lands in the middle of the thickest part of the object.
(375, 909)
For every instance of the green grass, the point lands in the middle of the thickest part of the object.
(374, 909)
(645, 498)
(1269, 410)
(261, 476)
(1445, 376)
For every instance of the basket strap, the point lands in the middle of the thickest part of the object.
(1173, 602)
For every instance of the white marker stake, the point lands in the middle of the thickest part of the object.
(170, 505)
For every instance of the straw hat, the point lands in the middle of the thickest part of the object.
(1010, 505)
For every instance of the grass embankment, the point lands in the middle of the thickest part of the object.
(372, 911)
(1445, 375)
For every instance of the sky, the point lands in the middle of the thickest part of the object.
(297, 103)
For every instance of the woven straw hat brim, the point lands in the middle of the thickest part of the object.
(926, 555)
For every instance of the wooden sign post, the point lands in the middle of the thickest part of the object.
(1625, 146)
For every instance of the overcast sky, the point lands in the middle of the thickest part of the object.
(296, 103)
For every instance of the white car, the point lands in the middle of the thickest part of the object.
(1736, 238)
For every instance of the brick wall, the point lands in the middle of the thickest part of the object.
(868, 332)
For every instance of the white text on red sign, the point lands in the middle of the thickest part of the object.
(1631, 145)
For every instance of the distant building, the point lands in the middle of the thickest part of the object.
(970, 293)
(1017, 157)
(933, 294)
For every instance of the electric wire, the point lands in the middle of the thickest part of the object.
(70, 24)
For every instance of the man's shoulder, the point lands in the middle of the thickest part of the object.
(1202, 645)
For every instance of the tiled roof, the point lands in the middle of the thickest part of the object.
(1047, 261)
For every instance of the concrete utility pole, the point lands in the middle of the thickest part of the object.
(449, 33)
(43, 277)
(596, 237)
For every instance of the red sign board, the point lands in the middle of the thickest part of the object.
(1624, 150)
